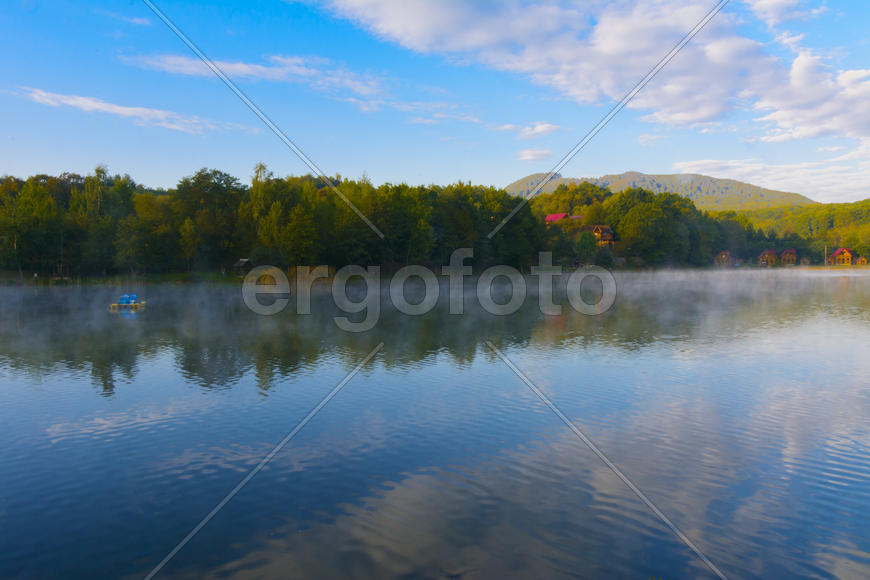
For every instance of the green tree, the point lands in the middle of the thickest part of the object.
(297, 237)
(31, 226)
(211, 198)
(128, 243)
(586, 247)
(190, 241)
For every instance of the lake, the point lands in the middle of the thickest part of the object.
(737, 402)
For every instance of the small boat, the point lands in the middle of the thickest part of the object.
(128, 303)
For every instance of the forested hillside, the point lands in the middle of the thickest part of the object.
(707, 193)
(657, 228)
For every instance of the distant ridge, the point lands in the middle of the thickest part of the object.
(707, 193)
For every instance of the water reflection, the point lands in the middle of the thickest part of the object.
(737, 401)
(215, 340)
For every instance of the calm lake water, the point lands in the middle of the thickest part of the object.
(739, 402)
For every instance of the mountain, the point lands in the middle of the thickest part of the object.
(708, 193)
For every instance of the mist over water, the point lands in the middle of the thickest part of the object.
(738, 401)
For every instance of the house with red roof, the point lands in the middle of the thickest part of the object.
(842, 257)
(788, 257)
(767, 258)
(555, 217)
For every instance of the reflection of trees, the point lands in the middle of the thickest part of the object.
(215, 340)
(207, 350)
(118, 357)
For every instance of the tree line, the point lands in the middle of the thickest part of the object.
(103, 224)
(99, 224)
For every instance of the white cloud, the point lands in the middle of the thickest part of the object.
(590, 52)
(814, 100)
(647, 139)
(319, 73)
(140, 115)
(831, 149)
(789, 40)
(537, 130)
(774, 12)
(533, 154)
(596, 51)
(530, 131)
(456, 116)
(138, 21)
(365, 105)
(431, 113)
(362, 90)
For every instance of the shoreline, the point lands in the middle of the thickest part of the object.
(13, 279)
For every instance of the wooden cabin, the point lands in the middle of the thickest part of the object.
(603, 234)
(723, 260)
(842, 257)
(767, 258)
(805, 261)
(788, 257)
(861, 261)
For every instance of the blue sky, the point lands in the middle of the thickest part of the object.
(774, 92)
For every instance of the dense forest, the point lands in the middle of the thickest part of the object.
(100, 224)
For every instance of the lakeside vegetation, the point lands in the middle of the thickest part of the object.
(832, 224)
(102, 224)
